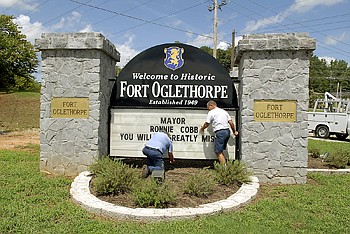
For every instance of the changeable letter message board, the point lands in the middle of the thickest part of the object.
(132, 128)
(275, 111)
(167, 87)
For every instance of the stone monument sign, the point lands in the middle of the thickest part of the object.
(78, 73)
(86, 112)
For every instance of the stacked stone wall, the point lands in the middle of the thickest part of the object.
(274, 67)
(75, 65)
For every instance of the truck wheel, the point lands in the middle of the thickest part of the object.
(341, 136)
(322, 132)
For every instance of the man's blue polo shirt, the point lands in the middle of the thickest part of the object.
(160, 141)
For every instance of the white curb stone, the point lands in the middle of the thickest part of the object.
(80, 192)
(329, 170)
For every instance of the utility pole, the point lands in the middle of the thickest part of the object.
(215, 27)
(215, 8)
(233, 49)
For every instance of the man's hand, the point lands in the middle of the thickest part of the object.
(204, 126)
(171, 158)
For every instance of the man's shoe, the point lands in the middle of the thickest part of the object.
(158, 175)
(145, 171)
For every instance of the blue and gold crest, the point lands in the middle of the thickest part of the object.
(173, 57)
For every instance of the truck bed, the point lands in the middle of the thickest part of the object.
(336, 122)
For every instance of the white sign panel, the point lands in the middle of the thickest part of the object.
(131, 128)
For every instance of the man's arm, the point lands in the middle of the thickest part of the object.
(232, 125)
(204, 126)
(171, 157)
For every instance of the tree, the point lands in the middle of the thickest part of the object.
(17, 56)
(326, 77)
(223, 56)
(319, 75)
(318, 68)
(118, 70)
(340, 72)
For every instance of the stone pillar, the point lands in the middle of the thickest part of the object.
(274, 67)
(75, 66)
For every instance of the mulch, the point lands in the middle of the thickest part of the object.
(176, 175)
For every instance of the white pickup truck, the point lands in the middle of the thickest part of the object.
(330, 117)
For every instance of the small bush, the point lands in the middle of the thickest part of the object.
(153, 194)
(113, 177)
(231, 173)
(339, 159)
(314, 152)
(200, 184)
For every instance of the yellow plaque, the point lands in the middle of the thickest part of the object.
(275, 111)
(70, 108)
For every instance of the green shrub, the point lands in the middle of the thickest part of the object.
(25, 84)
(200, 184)
(339, 159)
(331, 147)
(153, 194)
(314, 152)
(113, 177)
(232, 172)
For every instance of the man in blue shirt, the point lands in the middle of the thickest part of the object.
(154, 149)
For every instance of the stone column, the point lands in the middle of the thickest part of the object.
(275, 67)
(75, 66)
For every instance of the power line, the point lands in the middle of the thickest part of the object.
(281, 26)
(117, 13)
(343, 52)
(306, 21)
(346, 55)
(318, 31)
(10, 6)
(319, 19)
(36, 7)
(305, 27)
(91, 6)
(147, 21)
(313, 25)
(49, 21)
(63, 14)
(90, 9)
(138, 19)
(248, 16)
(331, 29)
(174, 13)
(123, 12)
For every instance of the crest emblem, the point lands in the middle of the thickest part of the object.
(173, 57)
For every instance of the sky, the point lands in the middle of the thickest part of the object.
(134, 26)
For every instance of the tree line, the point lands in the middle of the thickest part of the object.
(18, 62)
(331, 77)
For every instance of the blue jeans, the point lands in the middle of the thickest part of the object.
(221, 139)
(155, 159)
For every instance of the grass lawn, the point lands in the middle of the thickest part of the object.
(328, 146)
(19, 111)
(31, 202)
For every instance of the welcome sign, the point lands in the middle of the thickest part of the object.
(176, 76)
(166, 88)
